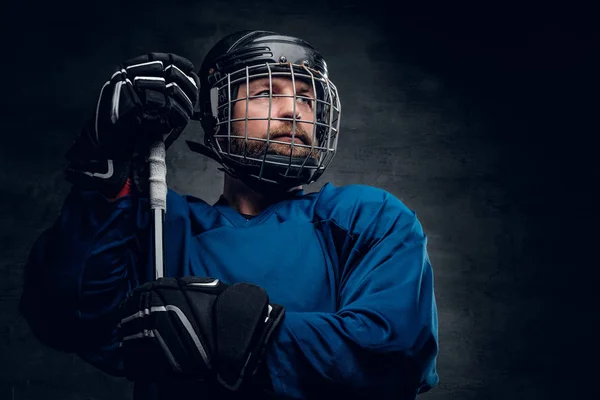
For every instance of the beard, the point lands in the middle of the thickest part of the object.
(257, 148)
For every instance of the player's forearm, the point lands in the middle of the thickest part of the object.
(78, 271)
(382, 340)
(352, 354)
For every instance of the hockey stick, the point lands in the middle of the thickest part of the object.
(158, 203)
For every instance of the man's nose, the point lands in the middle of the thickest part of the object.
(289, 107)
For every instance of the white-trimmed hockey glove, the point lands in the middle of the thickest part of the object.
(147, 97)
(196, 328)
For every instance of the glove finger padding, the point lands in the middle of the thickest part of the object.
(147, 74)
(117, 115)
(183, 93)
(159, 317)
(182, 87)
(180, 80)
(244, 323)
(189, 340)
(142, 358)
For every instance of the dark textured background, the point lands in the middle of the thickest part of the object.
(479, 119)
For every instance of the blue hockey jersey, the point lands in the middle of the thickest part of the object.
(348, 263)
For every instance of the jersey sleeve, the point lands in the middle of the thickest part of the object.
(77, 273)
(382, 342)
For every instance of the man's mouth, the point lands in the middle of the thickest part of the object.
(287, 137)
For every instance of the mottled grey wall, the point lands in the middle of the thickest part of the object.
(477, 124)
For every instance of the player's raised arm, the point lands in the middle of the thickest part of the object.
(81, 268)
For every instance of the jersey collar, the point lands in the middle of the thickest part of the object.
(238, 219)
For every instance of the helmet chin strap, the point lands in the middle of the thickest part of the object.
(197, 147)
(208, 152)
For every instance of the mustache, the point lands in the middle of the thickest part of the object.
(300, 133)
(257, 148)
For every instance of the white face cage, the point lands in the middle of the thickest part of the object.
(325, 122)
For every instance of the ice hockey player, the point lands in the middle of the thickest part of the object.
(271, 292)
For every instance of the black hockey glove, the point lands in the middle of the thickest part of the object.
(196, 328)
(147, 97)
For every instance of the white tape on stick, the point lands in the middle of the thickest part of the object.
(158, 176)
(158, 202)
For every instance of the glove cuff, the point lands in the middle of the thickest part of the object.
(106, 176)
(245, 322)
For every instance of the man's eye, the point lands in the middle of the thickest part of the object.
(305, 100)
(264, 93)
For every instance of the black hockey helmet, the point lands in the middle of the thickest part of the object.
(237, 59)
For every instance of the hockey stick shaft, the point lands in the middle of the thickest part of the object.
(158, 204)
